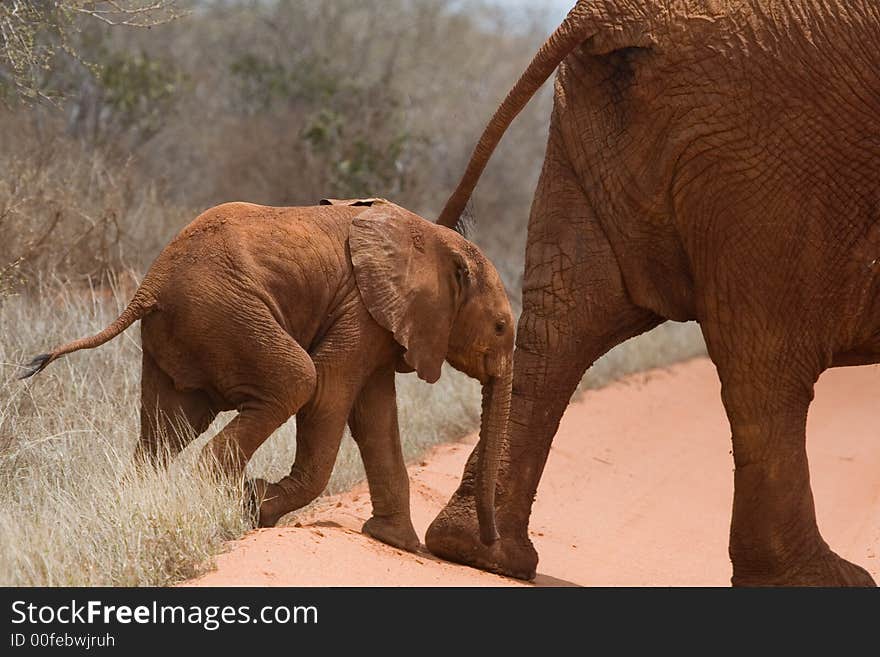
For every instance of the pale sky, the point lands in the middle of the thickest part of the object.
(556, 9)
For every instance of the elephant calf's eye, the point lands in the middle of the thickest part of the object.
(500, 327)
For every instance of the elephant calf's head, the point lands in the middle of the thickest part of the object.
(442, 300)
(434, 290)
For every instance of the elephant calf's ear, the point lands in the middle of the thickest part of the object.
(403, 285)
(365, 202)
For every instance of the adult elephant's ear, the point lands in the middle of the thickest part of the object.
(407, 282)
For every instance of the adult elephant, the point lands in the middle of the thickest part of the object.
(716, 161)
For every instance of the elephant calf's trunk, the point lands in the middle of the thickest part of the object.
(493, 431)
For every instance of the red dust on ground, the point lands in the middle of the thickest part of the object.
(637, 492)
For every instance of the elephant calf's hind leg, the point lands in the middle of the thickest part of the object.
(275, 380)
(170, 418)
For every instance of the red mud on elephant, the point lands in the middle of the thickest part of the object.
(710, 161)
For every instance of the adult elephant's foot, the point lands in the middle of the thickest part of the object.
(826, 569)
(455, 536)
(396, 531)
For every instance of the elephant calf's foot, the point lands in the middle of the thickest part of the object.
(395, 530)
(268, 503)
(455, 536)
(826, 569)
(253, 491)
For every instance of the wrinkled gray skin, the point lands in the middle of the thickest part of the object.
(710, 161)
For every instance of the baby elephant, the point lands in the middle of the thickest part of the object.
(310, 311)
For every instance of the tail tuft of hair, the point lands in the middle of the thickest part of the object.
(38, 364)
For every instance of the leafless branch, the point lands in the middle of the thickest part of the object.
(132, 13)
(33, 33)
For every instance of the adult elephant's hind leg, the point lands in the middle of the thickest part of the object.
(774, 537)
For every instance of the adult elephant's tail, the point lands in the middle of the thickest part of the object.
(574, 30)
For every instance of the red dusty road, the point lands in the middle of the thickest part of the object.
(637, 491)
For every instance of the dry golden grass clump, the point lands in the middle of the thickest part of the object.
(280, 103)
(73, 508)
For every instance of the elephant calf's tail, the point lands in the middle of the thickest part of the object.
(140, 306)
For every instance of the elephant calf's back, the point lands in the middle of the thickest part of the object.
(238, 267)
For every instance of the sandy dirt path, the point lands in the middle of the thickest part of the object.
(637, 491)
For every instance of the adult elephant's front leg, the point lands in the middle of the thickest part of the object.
(535, 414)
(575, 308)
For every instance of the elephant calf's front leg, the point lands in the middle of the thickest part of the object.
(374, 427)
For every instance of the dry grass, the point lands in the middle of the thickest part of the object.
(669, 343)
(102, 185)
(74, 511)
(66, 208)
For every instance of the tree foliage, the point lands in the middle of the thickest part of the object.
(280, 102)
(34, 33)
